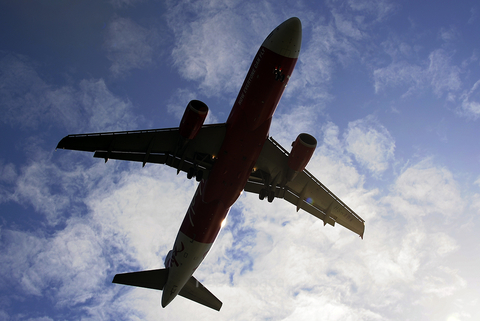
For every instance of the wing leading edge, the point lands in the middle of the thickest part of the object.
(304, 191)
(161, 146)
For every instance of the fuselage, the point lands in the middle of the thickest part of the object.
(247, 129)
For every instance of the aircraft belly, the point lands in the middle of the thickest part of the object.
(186, 257)
(247, 130)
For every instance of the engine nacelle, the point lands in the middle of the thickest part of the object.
(302, 150)
(193, 119)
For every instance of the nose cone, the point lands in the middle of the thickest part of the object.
(286, 39)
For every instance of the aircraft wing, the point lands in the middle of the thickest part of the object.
(161, 146)
(304, 191)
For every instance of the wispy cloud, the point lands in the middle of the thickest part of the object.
(216, 47)
(445, 77)
(471, 102)
(379, 9)
(399, 74)
(130, 46)
(427, 189)
(438, 73)
(29, 101)
(371, 144)
(90, 220)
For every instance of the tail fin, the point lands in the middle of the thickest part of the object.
(156, 279)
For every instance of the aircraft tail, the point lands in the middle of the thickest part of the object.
(156, 279)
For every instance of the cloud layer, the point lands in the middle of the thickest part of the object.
(69, 223)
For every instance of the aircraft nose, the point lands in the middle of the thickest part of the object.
(286, 39)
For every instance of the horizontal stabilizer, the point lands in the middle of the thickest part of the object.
(195, 291)
(152, 279)
(156, 279)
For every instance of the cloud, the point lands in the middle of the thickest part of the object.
(315, 65)
(300, 261)
(347, 26)
(129, 46)
(70, 263)
(440, 75)
(28, 101)
(319, 58)
(286, 126)
(448, 34)
(399, 74)
(215, 41)
(116, 221)
(92, 220)
(268, 257)
(445, 78)
(379, 9)
(470, 105)
(425, 189)
(371, 144)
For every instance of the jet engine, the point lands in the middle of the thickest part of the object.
(302, 150)
(193, 119)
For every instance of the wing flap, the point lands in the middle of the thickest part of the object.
(161, 146)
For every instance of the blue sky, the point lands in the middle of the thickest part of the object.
(390, 89)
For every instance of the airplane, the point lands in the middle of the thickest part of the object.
(225, 159)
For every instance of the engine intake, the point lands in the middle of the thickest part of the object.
(302, 150)
(193, 119)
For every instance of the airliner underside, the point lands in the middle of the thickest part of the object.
(225, 159)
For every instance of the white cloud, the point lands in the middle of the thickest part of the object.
(104, 111)
(70, 262)
(470, 105)
(438, 73)
(445, 78)
(130, 46)
(316, 65)
(285, 127)
(425, 189)
(281, 263)
(347, 26)
(215, 41)
(380, 9)
(206, 53)
(399, 74)
(448, 34)
(371, 144)
(28, 101)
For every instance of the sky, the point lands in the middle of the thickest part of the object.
(390, 89)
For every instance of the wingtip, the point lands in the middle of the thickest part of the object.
(61, 143)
